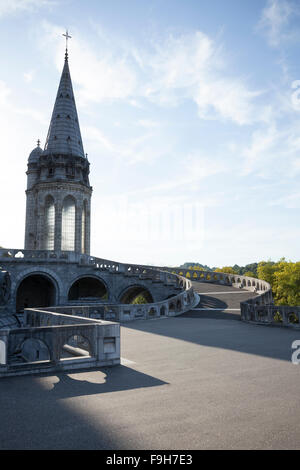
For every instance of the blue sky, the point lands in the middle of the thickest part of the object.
(189, 112)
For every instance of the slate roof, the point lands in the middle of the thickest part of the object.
(35, 154)
(64, 135)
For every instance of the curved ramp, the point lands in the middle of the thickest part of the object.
(217, 301)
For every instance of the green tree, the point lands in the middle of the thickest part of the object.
(266, 270)
(249, 274)
(139, 299)
(226, 269)
(286, 284)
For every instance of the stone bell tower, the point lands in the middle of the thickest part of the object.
(58, 195)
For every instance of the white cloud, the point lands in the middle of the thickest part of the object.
(177, 69)
(106, 74)
(28, 76)
(289, 201)
(8, 7)
(193, 67)
(273, 151)
(275, 20)
(4, 92)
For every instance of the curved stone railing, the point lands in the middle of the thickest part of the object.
(259, 309)
(250, 309)
(282, 315)
(252, 284)
(129, 270)
(173, 306)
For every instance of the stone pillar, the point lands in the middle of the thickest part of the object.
(4, 335)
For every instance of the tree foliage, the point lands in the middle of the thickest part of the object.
(226, 269)
(283, 276)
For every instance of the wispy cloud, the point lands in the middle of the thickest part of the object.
(272, 151)
(4, 92)
(188, 67)
(8, 7)
(275, 21)
(193, 67)
(289, 201)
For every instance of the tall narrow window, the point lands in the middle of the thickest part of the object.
(83, 228)
(68, 224)
(49, 226)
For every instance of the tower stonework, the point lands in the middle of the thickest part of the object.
(58, 194)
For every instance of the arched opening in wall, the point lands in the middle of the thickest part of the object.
(76, 347)
(88, 289)
(68, 224)
(33, 350)
(36, 290)
(162, 311)
(136, 295)
(49, 223)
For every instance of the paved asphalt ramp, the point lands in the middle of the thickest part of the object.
(203, 380)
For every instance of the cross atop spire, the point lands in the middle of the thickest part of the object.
(67, 36)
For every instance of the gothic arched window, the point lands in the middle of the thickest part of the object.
(83, 228)
(49, 223)
(68, 224)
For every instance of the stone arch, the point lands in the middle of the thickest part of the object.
(130, 293)
(162, 311)
(152, 312)
(76, 345)
(88, 287)
(35, 349)
(36, 288)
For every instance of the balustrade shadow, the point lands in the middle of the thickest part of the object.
(117, 378)
(260, 340)
(207, 301)
(219, 315)
(34, 417)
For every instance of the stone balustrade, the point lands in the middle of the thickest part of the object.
(279, 315)
(45, 337)
(259, 309)
(174, 306)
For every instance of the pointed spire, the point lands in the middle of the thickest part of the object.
(64, 135)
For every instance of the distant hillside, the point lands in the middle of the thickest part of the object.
(192, 264)
(249, 268)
